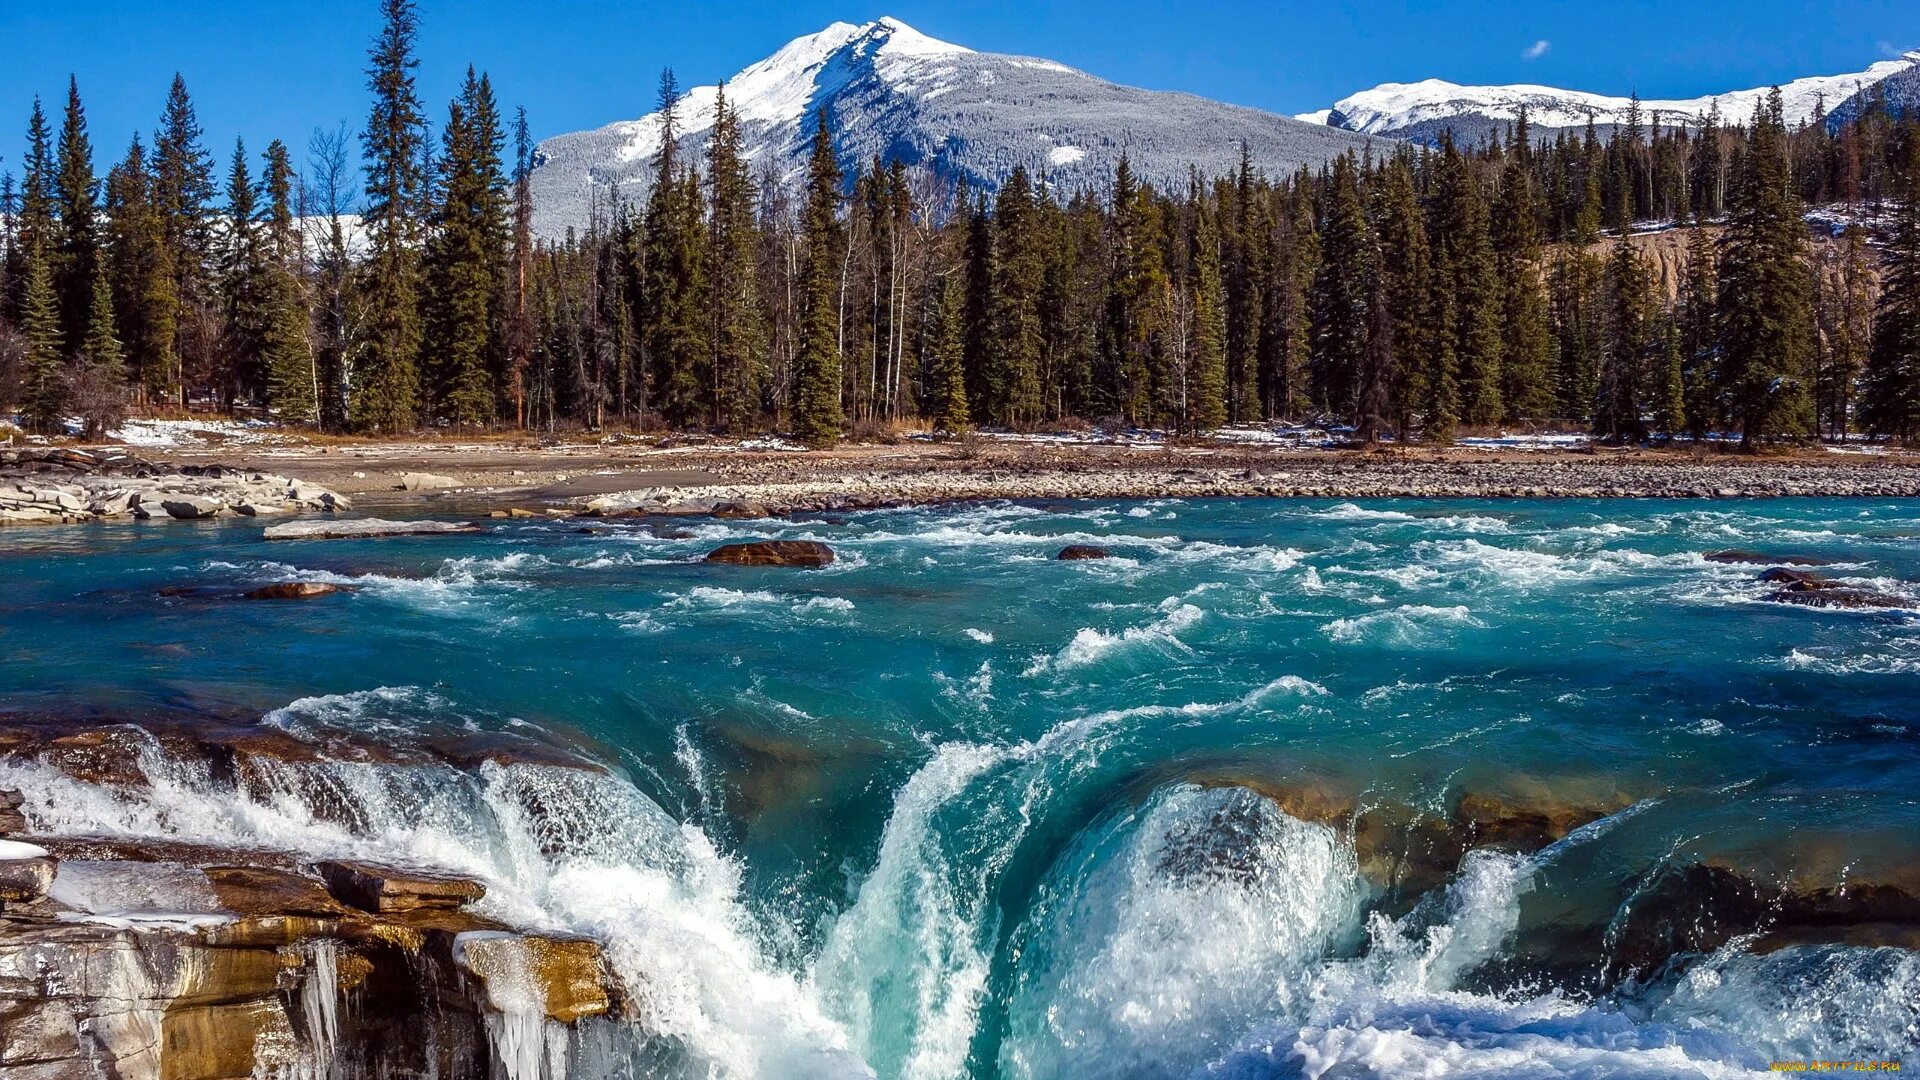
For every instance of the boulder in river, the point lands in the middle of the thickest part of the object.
(799, 553)
(362, 527)
(295, 590)
(1082, 551)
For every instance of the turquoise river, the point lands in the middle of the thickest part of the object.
(952, 808)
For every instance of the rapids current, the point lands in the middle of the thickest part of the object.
(953, 809)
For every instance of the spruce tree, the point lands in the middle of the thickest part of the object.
(1697, 313)
(1766, 315)
(459, 286)
(1623, 375)
(1527, 338)
(244, 289)
(1464, 253)
(34, 230)
(732, 247)
(1244, 247)
(675, 338)
(182, 192)
(817, 416)
(76, 262)
(292, 386)
(142, 274)
(1404, 287)
(1891, 391)
(1341, 315)
(947, 380)
(1013, 376)
(385, 376)
(1206, 376)
(101, 347)
(43, 394)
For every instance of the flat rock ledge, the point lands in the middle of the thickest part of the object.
(356, 528)
(59, 487)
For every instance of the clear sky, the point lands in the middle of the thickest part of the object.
(266, 68)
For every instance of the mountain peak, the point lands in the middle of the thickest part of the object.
(891, 92)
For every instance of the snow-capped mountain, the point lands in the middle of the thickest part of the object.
(1422, 110)
(892, 91)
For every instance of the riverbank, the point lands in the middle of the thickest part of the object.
(763, 479)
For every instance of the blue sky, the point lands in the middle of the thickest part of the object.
(265, 68)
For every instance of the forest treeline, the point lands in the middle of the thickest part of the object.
(1410, 294)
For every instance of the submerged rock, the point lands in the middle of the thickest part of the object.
(295, 590)
(1832, 595)
(798, 553)
(1083, 551)
(1737, 557)
(362, 527)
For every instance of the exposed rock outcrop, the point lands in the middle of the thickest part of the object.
(363, 527)
(295, 590)
(388, 890)
(1083, 551)
(799, 553)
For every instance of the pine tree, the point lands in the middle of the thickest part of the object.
(1766, 316)
(385, 378)
(43, 394)
(817, 416)
(732, 245)
(76, 263)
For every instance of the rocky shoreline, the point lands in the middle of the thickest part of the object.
(60, 485)
(64, 487)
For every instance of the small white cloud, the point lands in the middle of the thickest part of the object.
(1537, 50)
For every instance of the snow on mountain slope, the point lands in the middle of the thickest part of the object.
(894, 92)
(1421, 109)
